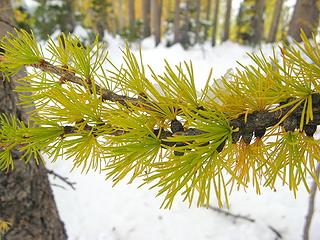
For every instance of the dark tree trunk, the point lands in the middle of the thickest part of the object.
(70, 18)
(176, 22)
(120, 16)
(215, 22)
(227, 21)
(198, 9)
(157, 11)
(306, 17)
(184, 34)
(26, 198)
(275, 21)
(146, 7)
(206, 29)
(258, 24)
(132, 18)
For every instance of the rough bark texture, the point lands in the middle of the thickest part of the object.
(306, 17)
(215, 22)
(146, 7)
(26, 199)
(227, 21)
(275, 21)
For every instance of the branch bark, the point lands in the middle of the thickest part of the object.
(215, 23)
(254, 124)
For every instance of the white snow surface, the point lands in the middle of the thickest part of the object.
(98, 211)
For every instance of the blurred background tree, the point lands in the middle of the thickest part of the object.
(187, 22)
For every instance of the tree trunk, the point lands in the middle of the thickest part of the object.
(69, 18)
(156, 12)
(114, 26)
(184, 34)
(169, 9)
(215, 22)
(227, 21)
(306, 17)
(258, 24)
(146, 17)
(311, 207)
(208, 10)
(132, 17)
(120, 16)
(275, 21)
(198, 9)
(26, 198)
(176, 22)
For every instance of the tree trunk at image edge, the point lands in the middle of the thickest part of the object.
(26, 198)
(275, 21)
(146, 7)
(306, 17)
(226, 29)
(215, 23)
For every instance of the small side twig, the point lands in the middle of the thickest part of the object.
(312, 197)
(276, 232)
(57, 185)
(64, 179)
(246, 218)
(229, 214)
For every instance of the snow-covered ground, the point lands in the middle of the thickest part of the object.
(98, 211)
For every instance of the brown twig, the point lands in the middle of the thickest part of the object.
(229, 214)
(64, 179)
(106, 94)
(276, 232)
(254, 124)
(58, 186)
(246, 218)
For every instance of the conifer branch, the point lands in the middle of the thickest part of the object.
(185, 142)
(254, 123)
